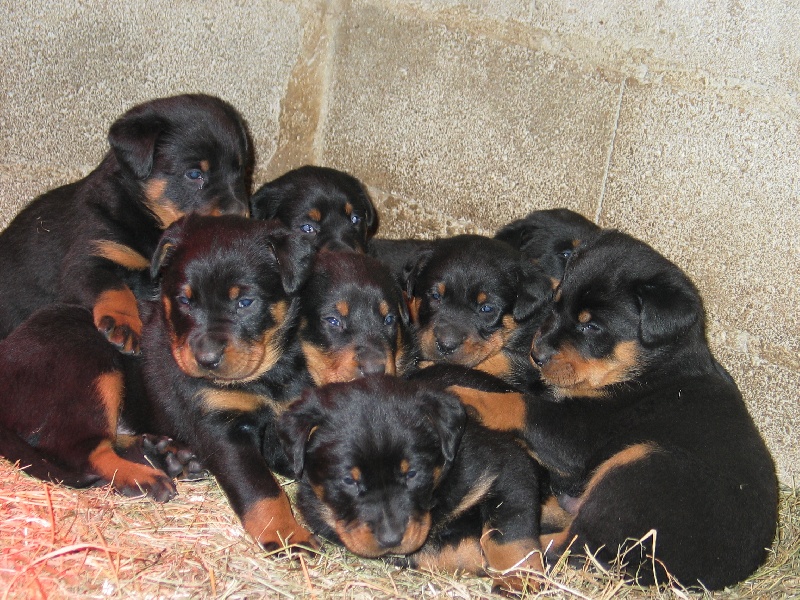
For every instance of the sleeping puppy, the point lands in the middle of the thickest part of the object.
(328, 205)
(61, 388)
(389, 467)
(548, 237)
(476, 302)
(649, 446)
(75, 244)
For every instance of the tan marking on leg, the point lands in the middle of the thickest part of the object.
(271, 522)
(622, 458)
(129, 478)
(515, 565)
(120, 254)
(116, 315)
(555, 544)
(498, 411)
(554, 516)
(474, 496)
(466, 557)
(111, 388)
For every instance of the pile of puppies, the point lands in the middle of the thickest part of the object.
(475, 404)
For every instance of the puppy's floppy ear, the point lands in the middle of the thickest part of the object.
(413, 269)
(133, 139)
(535, 290)
(371, 218)
(296, 426)
(669, 306)
(294, 254)
(449, 418)
(266, 201)
(515, 234)
(167, 245)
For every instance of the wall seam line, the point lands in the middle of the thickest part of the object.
(609, 155)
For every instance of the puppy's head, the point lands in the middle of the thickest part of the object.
(182, 154)
(470, 297)
(354, 320)
(621, 310)
(227, 294)
(328, 205)
(548, 237)
(370, 454)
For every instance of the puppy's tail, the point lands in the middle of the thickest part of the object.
(36, 464)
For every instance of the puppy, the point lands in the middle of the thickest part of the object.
(74, 244)
(219, 358)
(477, 302)
(390, 467)
(354, 320)
(330, 206)
(61, 386)
(647, 440)
(548, 237)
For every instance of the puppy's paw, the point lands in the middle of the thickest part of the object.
(174, 458)
(120, 335)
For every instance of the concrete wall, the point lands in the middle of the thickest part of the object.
(678, 122)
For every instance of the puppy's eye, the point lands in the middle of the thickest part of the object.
(333, 321)
(244, 302)
(183, 300)
(436, 296)
(348, 480)
(565, 254)
(355, 219)
(194, 174)
(308, 228)
(590, 327)
(486, 308)
(389, 320)
(410, 474)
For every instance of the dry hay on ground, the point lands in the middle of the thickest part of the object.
(61, 543)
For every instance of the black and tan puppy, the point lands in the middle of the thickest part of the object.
(61, 386)
(644, 435)
(219, 355)
(549, 237)
(390, 467)
(73, 244)
(354, 320)
(330, 206)
(476, 302)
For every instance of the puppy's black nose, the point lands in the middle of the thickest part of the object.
(372, 367)
(448, 341)
(389, 538)
(540, 356)
(208, 352)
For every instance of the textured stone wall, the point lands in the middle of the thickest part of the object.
(677, 122)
